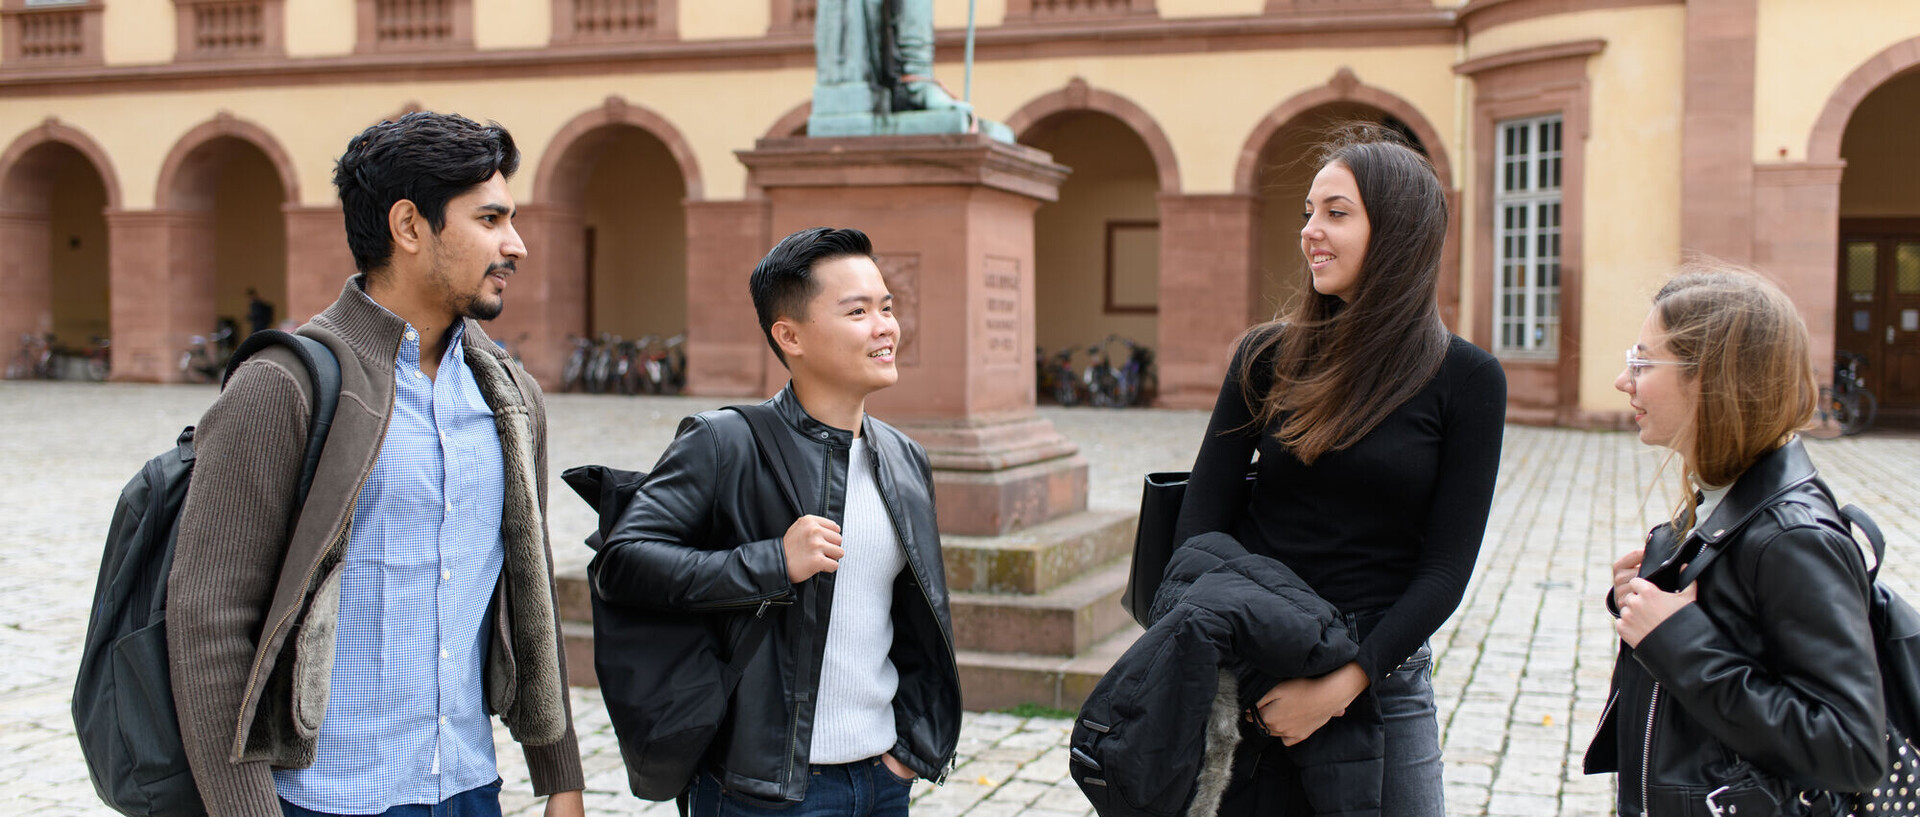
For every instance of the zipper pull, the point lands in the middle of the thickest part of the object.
(762, 612)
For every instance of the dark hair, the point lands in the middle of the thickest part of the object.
(1341, 367)
(782, 283)
(424, 157)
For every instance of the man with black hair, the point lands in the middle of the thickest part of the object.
(855, 691)
(344, 656)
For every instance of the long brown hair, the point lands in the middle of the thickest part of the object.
(1751, 367)
(1339, 368)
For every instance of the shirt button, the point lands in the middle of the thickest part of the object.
(411, 335)
(443, 438)
(444, 654)
(418, 374)
(449, 507)
(443, 720)
(446, 575)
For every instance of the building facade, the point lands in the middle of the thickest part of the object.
(158, 158)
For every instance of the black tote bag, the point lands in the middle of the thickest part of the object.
(1153, 544)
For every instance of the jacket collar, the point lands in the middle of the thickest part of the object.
(373, 332)
(802, 422)
(1775, 473)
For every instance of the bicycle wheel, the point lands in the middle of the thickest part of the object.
(1826, 416)
(1861, 406)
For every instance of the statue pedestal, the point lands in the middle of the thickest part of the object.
(1035, 577)
(951, 217)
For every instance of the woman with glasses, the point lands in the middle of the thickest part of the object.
(1378, 437)
(1747, 674)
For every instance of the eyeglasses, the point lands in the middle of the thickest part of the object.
(1637, 364)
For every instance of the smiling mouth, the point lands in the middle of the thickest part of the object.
(885, 354)
(1319, 258)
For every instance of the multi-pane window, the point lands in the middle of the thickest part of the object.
(1526, 214)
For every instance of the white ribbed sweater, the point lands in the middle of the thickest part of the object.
(853, 719)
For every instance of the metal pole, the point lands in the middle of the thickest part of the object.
(966, 88)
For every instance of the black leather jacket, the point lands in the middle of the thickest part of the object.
(704, 535)
(1774, 661)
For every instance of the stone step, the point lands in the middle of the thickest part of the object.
(997, 680)
(1063, 621)
(1040, 558)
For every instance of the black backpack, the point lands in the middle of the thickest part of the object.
(1896, 642)
(123, 699)
(667, 678)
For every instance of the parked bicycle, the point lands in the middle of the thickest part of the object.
(666, 365)
(205, 357)
(613, 365)
(1847, 407)
(573, 376)
(34, 359)
(1056, 377)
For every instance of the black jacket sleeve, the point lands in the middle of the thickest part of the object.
(667, 550)
(1811, 710)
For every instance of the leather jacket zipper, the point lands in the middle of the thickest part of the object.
(1646, 749)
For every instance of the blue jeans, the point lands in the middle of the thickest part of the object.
(481, 802)
(1410, 784)
(863, 788)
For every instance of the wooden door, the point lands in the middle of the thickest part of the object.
(1879, 311)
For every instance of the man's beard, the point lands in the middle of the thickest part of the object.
(474, 304)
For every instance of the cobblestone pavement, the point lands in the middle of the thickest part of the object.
(1520, 671)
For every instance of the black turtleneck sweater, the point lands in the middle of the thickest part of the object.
(1390, 524)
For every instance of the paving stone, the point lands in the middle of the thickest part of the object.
(1529, 642)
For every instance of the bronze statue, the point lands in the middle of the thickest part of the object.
(875, 73)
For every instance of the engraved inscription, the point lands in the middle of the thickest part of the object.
(1001, 288)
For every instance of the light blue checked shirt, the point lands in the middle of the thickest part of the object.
(406, 721)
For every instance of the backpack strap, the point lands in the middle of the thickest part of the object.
(323, 369)
(1859, 519)
(775, 444)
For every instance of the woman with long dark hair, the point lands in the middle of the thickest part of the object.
(1378, 437)
(1747, 669)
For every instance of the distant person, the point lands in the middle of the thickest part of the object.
(1377, 435)
(259, 312)
(345, 657)
(856, 691)
(1747, 672)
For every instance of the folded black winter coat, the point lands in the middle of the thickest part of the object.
(1157, 736)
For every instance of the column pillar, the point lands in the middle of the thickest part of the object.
(1796, 242)
(1209, 291)
(26, 276)
(318, 260)
(727, 354)
(160, 263)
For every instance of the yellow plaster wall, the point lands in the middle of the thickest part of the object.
(1631, 221)
(1176, 9)
(313, 124)
(1207, 130)
(722, 19)
(319, 28)
(511, 24)
(953, 13)
(137, 32)
(640, 240)
(1792, 84)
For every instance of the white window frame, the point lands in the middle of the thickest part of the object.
(1527, 231)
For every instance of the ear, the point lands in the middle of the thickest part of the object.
(787, 336)
(408, 227)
